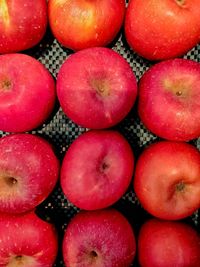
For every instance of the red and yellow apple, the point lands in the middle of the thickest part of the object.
(22, 24)
(162, 29)
(79, 24)
(167, 179)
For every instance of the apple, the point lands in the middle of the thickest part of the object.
(27, 241)
(22, 24)
(96, 87)
(80, 24)
(169, 97)
(162, 29)
(27, 93)
(167, 179)
(99, 238)
(167, 244)
(28, 172)
(97, 169)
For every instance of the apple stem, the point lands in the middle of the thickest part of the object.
(180, 186)
(100, 86)
(6, 84)
(179, 93)
(104, 166)
(93, 254)
(10, 181)
(19, 258)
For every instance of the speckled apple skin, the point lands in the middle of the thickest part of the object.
(22, 24)
(97, 169)
(169, 97)
(106, 234)
(167, 180)
(27, 93)
(80, 24)
(28, 236)
(96, 88)
(31, 161)
(162, 29)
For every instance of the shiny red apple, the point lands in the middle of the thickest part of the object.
(167, 180)
(27, 241)
(99, 238)
(167, 244)
(79, 24)
(28, 172)
(162, 29)
(27, 93)
(97, 169)
(22, 24)
(96, 87)
(169, 97)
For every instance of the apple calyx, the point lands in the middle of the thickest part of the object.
(180, 2)
(8, 184)
(104, 166)
(179, 93)
(21, 261)
(6, 84)
(10, 181)
(101, 86)
(19, 258)
(93, 256)
(4, 12)
(180, 88)
(180, 187)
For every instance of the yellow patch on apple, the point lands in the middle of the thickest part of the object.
(4, 13)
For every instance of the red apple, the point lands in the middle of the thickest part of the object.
(27, 93)
(167, 244)
(97, 169)
(96, 87)
(162, 29)
(79, 24)
(169, 97)
(99, 238)
(28, 172)
(22, 24)
(27, 241)
(167, 179)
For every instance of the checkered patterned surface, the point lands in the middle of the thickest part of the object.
(61, 131)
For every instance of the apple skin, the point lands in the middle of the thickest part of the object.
(162, 29)
(22, 24)
(169, 97)
(167, 244)
(96, 88)
(80, 24)
(27, 93)
(167, 180)
(29, 171)
(27, 241)
(97, 169)
(99, 238)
